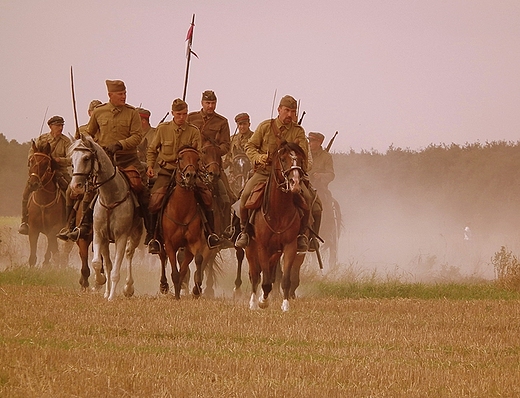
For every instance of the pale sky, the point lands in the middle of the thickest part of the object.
(407, 73)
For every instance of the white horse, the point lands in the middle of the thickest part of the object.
(115, 215)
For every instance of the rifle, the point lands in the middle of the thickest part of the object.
(164, 118)
(331, 142)
(76, 135)
(301, 119)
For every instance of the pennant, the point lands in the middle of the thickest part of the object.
(189, 38)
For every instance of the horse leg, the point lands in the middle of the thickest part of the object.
(98, 266)
(163, 286)
(52, 248)
(33, 243)
(171, 251)
(183, 270)
(128, 290)
(295, 274)
(197, 288)
(254, 274)
(106, 262)
(116, 270)
(85, 269)
(208, 268)
(288, 261)
(239, 252)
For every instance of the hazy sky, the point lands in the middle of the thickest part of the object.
(381, 72)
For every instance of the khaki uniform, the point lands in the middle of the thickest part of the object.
(59, 147)
(142, 148)
(238, 142)
(323, 165)
(164, 147)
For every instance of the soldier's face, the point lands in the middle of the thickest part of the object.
(243, 127)
(286, 115)
(314, 144)
(179, 117)
(56, 129)
(117, 98)
(209, 106)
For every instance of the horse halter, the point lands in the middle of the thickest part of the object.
(41, 177)
(286, 183)
(90, 174)
(208, 175)
(187, 178)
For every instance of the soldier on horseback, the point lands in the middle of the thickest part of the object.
(163, 150)
(116, 126)
(259, 147)
(59, 145)
(215, 128)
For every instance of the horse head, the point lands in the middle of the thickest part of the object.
(41, 166)
(288, 162)
(84, 164)
(212, 161)
(187, 167)
(240, 168)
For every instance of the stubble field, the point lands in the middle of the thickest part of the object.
(342, 338)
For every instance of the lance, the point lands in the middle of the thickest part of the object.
(164, 118)
(301, 119)
(76, 136)
(189, 39)
(331, 141)
(43, 121)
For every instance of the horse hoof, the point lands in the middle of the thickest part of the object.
(196, 291)
(164, 288)
(263, 303)
(285, 305)
(101, 279)
(128, 291)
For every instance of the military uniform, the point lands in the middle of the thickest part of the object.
(59, 145)
(262, 143)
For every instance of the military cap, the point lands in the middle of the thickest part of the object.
(144, 112)
(179, 105)
(93, 104)
(242, 117)
(289, 102)
(113, 86)
(316, 136)
(55, 120)
(209, 95)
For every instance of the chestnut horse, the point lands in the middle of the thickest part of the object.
(276, 226)
(116, 217)
(181, 224)
(46, 204)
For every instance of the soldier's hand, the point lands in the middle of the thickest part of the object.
(114, 147)
(262, 159)
(149, 172)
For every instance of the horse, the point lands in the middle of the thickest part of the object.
(116, 218)
(276, 226)
(239, 172)
(46, 204)
(331, 230)
(181, 225)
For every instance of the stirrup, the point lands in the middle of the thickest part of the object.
(242, 240)
(228, 232)
(63, 234)
(154, 247)
(23, 229)
(213, 241)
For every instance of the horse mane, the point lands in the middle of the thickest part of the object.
(293, 146)
(45, 148)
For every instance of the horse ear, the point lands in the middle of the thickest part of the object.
(47, 148)
(33, 145)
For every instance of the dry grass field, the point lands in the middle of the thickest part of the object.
(339, 340)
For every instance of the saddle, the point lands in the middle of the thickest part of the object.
(134, 179)
(257, 195)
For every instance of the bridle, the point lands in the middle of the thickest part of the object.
(90, 175)
(285, 183)
(187, 179)
(48, 174)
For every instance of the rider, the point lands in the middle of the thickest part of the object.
(116, 126)
(163, 150)
(59, 146)
(321, 173)
(260, 145)
(239, 139)
(215, 128)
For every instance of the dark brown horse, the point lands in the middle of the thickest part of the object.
(181, 225)
(276, 225)
(46, 204)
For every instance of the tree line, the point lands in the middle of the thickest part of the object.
(475, 182)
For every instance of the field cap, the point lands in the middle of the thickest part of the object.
(242, 117)
(93, 104)
(56, 120)
(114, 86)
(316, 136)
(144, 113)
(179, 105)
(209, 95)
(289, 102)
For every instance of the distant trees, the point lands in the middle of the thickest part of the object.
(13, 175)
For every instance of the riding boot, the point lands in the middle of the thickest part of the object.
(24, 226)
(154, 246)
(144, 200)
(302, 240)
(71, 218)
(227, 225)
(314, 244)
(85, 227)
(243, 238)
(211, 237)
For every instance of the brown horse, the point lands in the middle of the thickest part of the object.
(276, 225)
(46, 204)
(181, 224)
